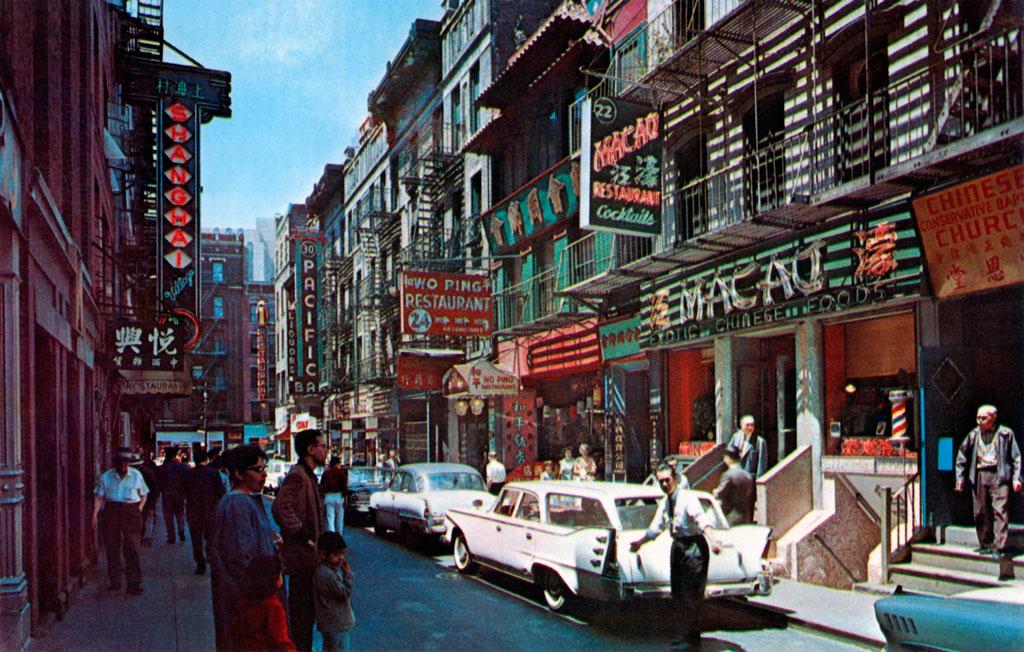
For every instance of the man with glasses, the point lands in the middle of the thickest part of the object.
(681, 514)
(991, 456)
(299, 512)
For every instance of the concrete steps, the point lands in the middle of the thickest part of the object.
(951, 566)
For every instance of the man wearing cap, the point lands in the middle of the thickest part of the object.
(681, 514)
(495, 473)
(736, 490)
(120, 497)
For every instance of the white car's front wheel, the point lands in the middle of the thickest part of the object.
(463, 559)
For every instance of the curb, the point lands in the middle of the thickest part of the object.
(804, 623)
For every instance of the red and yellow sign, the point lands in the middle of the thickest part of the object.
(178, 169)
(446, 304)
(423, 372)
(973, 234)
(520, 421)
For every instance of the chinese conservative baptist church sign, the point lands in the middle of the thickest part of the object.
(973, 234)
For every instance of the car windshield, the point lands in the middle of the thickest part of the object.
(636, 513)
(369, 476)
(450, 481)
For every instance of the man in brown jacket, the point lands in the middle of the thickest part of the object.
(298, 510)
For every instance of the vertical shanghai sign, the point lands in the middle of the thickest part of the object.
(178, 173)
(621, 167)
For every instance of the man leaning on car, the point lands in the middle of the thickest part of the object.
(992, 459)
(680, 512)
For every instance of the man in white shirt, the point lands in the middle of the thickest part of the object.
(752, 448)
(495, 474)
(120, 496)
(681, 514)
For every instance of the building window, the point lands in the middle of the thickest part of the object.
(253, 314)
(218, 306)
(254, 377)
(474, 91)
(218, 271)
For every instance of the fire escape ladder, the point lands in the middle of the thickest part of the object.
(954, 93)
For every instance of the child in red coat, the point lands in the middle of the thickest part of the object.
(260, 621)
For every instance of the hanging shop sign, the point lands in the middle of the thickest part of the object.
(262, 359)
(165, 383)
(445, 304)
(148, 345)
(306, 373)
(520, 428)
(620, 339)
(549, 198)
(621, 167)
(480, 378)
(178, 174)
(11, 162)
(423, 372)
(845, 267)
(973, 234)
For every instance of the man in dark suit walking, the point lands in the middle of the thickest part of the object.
(203, 488)
(173, 473)
(736, 490)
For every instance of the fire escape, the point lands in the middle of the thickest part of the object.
(336, 322)
(378, 231)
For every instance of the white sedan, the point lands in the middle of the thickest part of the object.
(415, 502)
(571, 539)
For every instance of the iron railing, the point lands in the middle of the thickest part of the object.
(901, 515)
(600, 252)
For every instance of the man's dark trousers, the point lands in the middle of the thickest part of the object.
(301, 611)
(991, 509)
(121, 525)
(689, 574)
(174, 515)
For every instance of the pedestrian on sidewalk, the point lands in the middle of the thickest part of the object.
(173, 474)
(260, 619)
(736, 490)
(681, 514)
(332, 585)
(991, 457)
(117, 513)
(334, 484)
(203, 489)
(298, 510)
(150, 473)
(494, 473)
(752, 448)
(566, 464)
(241, 532)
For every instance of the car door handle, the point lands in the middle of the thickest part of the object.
(498, 528)
(529, 536)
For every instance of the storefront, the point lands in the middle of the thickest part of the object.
(626, 392)
(810, 335)
(972, 351)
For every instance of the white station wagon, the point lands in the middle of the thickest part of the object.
(571, 539)
(415, 502)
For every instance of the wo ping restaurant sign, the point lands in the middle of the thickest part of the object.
(843, 268)
(621, 167)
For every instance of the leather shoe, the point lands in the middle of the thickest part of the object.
(984, 550)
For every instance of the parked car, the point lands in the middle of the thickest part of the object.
(362, 482)
(276, 470)
(415, 502)
(983, 620)
(571, 540)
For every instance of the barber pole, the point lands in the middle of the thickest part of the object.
(899, 399)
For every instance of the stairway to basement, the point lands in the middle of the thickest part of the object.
(951, 565)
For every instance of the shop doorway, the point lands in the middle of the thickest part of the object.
(766, 389)
(628, 427)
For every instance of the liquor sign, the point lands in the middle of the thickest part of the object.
(973, 234)
(307, 354)
(148, 346)
(446, 304)
(621, 167)
(178, 174)
(551, 197)
(520, 428)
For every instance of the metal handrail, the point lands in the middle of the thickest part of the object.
(600, 252)
(903, 507)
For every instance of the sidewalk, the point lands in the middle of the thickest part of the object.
(173, 614)
(847, 614)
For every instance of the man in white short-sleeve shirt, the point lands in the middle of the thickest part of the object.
(120, 496)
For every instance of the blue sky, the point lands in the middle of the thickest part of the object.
(301, 71)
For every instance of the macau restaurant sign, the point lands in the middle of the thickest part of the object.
(621, 167)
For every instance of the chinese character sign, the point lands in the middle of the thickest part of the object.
(973, 234)
(520, 421)
(621, 167)
(178, 174)
(148, 346)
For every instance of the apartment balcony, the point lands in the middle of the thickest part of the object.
(602, 263)
(693, 38)
(920, 132)
(374, 370)
(534, 305)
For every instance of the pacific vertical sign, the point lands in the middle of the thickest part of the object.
(621, 167)
(307, 371)
(178, 235)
